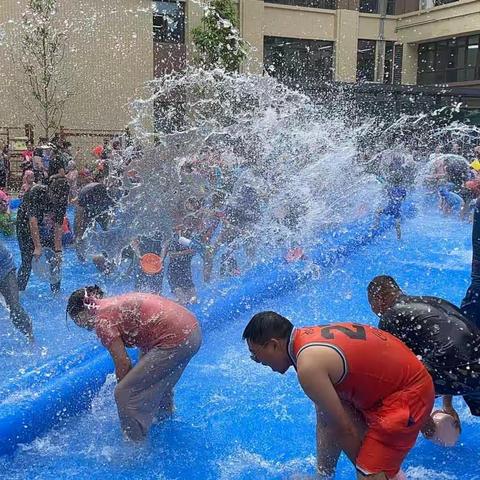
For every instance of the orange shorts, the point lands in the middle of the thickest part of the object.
(393, 428)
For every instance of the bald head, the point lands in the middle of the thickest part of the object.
(383, 291)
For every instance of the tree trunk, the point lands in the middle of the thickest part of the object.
(45, 89)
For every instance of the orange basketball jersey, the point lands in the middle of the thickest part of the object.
(375, 363)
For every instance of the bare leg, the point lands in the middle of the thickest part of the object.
(19, 317)
(361, 426)
(328, 452)
(398, 229)
(208, 264)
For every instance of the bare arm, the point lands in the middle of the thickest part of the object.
(79, 222)
(447, 402)
(449, 408)
(328, 449)
(316, 366)
(35, 233)
(120, 358)
(58, 237)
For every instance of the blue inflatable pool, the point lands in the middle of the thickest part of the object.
(235, 419)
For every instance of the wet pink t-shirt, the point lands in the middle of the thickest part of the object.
(143, 320)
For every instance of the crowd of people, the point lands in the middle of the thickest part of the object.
(456, 179)
(373, 388)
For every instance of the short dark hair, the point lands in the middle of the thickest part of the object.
(382, 284)
(266, 325)
(76, 302)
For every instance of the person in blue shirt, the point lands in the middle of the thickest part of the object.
(9, 290)
(450, 202)
(395, 197)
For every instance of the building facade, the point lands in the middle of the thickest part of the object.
(117, 46)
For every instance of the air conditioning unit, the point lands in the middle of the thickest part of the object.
(425, 4)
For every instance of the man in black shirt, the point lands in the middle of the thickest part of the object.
(438, 333)
(471, 303)
(39, 223)
(93, 205)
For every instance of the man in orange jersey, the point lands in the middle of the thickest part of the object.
(371, 393)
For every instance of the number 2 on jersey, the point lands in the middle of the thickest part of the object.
(357, 332)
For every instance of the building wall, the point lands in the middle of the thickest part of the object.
(446, 21)
(111, 52)
(345, 26)
(109, 58)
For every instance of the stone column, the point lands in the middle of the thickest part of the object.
(409, 64)
(251, 29)
(193, 17)
(346, 42)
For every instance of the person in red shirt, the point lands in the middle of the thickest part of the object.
(168, 336)
(372, 395)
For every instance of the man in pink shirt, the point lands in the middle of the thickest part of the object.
(168, 336)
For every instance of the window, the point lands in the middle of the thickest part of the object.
(368, 6)
(436, 3)
(449, 61)
(169, 21)
(366, 60)
(292, 60)
(330, 4)
(373, 6)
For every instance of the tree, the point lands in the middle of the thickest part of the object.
(43, 47)
(217, 40)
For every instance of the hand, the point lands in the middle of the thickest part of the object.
(37, 252)
(451, 411)
(428, 428)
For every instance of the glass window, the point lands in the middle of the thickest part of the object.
(470, 74)
(298, 61)
(391, 7)
(366, 60)
(472, 51)
(443, 2)
(330, 4)
(461, 52)
(451, 76)
(369, 6)
(448, 61)
(169, 21)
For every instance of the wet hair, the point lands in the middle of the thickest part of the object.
(382, 285)
(76, 302)
(266, 325)
(194, 202)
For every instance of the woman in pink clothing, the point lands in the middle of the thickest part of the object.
(168, 336)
